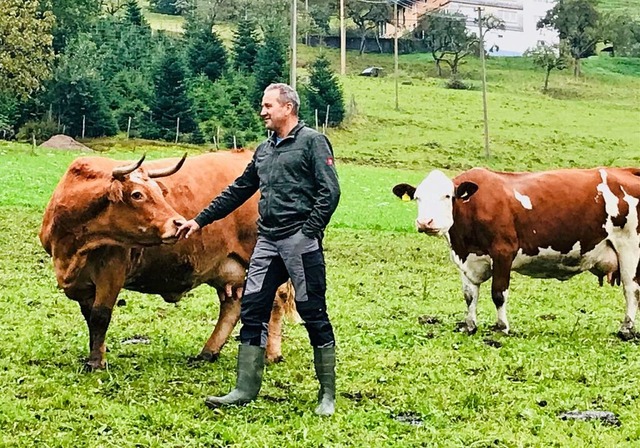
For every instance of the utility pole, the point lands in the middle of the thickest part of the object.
(395, 48)
(343, 42)
(306, 10)
(294, 42)
(487, 153)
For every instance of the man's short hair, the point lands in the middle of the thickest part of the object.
(287, 95)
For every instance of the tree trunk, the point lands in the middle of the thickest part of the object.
(362, 42)
(378, 42)
(546, 81)
(576, 67)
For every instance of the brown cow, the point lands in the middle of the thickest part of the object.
(105, 226)
(552, 224)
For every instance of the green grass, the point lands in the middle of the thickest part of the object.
(383, 277)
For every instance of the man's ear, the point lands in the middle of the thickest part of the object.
(164, 189)
(404, 191)
(465, 190)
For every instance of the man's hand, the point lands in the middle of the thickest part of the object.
(186, 229)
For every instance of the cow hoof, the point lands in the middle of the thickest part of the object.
(500, 327)
(90, 366)
(208, 356)
(464, 327)
(274, 359)
(627, 334)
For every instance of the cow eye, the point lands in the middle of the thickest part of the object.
(137, 195)
(447, 196)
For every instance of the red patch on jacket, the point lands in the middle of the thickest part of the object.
(330, 161)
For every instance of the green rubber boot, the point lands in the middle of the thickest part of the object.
(249, 379)
(324, 360)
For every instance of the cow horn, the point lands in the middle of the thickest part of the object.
(122, 171)
(163, 172)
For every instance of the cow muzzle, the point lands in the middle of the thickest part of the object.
(427, 227)
(169, 236)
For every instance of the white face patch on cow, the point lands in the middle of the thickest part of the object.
(523, 199)
(434, 197)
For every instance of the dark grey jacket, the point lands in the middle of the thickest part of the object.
(298, 185)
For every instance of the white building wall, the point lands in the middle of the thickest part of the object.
(520, 18)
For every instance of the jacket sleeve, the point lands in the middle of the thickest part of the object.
(232, 197)
(327, 187)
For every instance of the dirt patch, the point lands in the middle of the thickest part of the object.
(61, 141)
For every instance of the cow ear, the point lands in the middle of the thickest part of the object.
(465, 190)
(404, 191)
(164, 189)
(114, 193)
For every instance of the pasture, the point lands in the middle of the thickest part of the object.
(406, 378)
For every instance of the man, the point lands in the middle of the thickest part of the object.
(295, 173)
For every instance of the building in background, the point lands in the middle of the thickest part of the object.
(520, 19)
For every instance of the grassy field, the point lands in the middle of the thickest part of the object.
(402, 382)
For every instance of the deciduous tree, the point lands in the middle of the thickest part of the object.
(578, 25)
(26, 53)
(548, 57)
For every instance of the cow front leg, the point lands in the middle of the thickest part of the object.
(283, 299)
(471, 292)
(227, 320)
(109, 277)
(500, 292)
(632, 297)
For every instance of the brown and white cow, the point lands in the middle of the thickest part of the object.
(552, 224)
(109, 227)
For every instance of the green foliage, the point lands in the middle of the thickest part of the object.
(548, 57)
(245, 46)
(163, 6)
(271, 62)
(321, 13)
(78, 91)
(42, 130)
(26, 53)
(170, 98)
(205, 51)
(577, 23)
(133, 14)
(622, 32)
(72, 18)
(324, 91)
(367, 16)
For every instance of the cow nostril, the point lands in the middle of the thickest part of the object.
(178, 222)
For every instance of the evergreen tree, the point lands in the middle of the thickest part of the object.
(133, 13)
(245, 46)
(323, 91)
(271, 62)
(78, 90)
(171, 101)
(163, 6)
(205, 52)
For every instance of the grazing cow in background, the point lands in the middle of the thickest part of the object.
(109, 227)
(552, 224)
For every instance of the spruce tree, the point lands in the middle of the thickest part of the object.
(205, 51)
(323, 91)
(171, 101)
(271, 62)
(133, 13)
(245, 46)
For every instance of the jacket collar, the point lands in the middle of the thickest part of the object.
(292, 134)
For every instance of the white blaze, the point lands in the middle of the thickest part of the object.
(523, 199)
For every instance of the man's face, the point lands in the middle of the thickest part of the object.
(274, 113)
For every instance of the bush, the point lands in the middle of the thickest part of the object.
(43, 130)
(456, 83)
